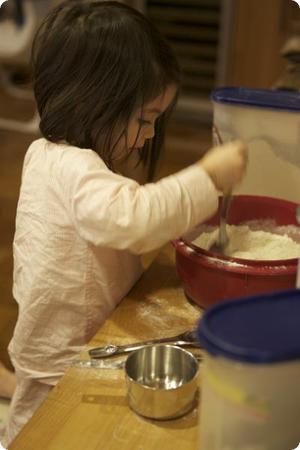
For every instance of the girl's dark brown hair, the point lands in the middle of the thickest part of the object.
(93, 64)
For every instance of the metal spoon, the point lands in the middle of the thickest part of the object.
(188, 338)
(222, 241)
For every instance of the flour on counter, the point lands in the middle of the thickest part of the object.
(246, 243)
(165, 319)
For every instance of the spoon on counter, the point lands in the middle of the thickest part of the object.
(186, 339)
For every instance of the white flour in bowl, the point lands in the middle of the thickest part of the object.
(247, 243)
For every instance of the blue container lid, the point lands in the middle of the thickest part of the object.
(261, 329)
(258, 98)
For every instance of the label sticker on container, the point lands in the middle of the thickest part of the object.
(252, 405)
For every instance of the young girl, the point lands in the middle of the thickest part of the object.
(104, 81)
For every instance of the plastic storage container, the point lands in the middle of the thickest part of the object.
(250, 396)
(269, 121)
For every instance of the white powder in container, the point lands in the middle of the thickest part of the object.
(249, 242)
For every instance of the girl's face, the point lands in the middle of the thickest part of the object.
(141, 125)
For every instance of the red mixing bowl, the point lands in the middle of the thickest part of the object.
(209, 278)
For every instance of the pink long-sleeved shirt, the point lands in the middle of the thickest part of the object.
(80, 229)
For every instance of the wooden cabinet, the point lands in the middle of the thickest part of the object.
(258, 31)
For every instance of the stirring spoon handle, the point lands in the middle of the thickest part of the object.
(223, 237)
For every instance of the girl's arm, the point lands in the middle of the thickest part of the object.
(113, 211)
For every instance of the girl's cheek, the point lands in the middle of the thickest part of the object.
(134, 136)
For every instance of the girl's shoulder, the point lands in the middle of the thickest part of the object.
(62, 155)
(62, 164)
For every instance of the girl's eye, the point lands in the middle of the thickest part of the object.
(143, 122)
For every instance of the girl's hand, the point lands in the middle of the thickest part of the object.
(226, 164)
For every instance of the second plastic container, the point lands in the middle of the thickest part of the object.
(250, 396)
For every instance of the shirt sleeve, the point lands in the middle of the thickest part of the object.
(114, 211)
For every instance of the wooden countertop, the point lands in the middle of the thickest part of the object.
(87, 409)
